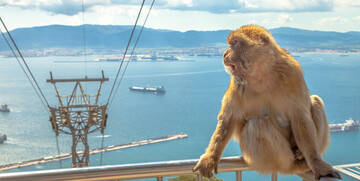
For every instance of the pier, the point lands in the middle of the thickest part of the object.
(93, 151)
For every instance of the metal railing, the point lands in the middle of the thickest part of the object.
(157, 170)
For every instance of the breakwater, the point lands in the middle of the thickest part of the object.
(93, 151)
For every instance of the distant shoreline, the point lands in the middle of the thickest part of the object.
(293, 53)
(92, 61)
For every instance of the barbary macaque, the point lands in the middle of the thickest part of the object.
(268, 109)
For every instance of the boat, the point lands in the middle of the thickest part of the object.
(2, 138)
(153, 89)
(349, 125)
(4, 108)
(344, 55)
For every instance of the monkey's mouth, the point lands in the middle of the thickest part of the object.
(232, 66)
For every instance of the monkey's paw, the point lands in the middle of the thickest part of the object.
(325, 170)
(206, 165)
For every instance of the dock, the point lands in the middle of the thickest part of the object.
(352, 170)
(93, 151)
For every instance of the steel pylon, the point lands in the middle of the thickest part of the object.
(78, 115)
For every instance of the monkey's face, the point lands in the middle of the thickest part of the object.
(235, 61)
(249, 52)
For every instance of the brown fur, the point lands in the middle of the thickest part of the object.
(269, 110)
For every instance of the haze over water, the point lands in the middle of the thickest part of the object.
(192, 101)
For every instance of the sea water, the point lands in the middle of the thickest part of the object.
(190, 105)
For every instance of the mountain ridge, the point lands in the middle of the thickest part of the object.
(116, 37)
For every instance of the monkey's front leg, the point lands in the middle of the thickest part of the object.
(209, 160)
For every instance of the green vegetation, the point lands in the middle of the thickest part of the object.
(193, 178)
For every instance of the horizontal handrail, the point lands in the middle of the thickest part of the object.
(132, 171)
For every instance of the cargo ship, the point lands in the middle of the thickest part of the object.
(4, 108)
(152, 89)
(349, 125)
(2, 138)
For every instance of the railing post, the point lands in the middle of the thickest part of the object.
(238, 176)
(159, 178)
(274, 177)
(199, 177)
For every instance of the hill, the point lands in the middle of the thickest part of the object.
(116, 37)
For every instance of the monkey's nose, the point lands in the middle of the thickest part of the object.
(225, 54)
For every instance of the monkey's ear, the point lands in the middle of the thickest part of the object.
(264, 39)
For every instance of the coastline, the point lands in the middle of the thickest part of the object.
(5, 55)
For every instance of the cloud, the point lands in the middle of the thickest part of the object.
(333, 21)
(177, 3)
(72, 7)
(66, 7)
(250, 6)
(266, 21)
(357, 18)
(254, 22)
(347, 3)
(109, 13)
(285, 5)
(284, 18)
(281, 19)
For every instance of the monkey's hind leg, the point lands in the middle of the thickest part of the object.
(322, 132)
(322, 126)
(264, 148)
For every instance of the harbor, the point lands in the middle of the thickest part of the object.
(93, 151)
(145, 58)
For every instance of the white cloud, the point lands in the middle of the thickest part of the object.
(281, 19)
(127, 11)
(252, 22)
(248, 5)
(72, 7)
(333, 21)
(266, 21)
(357, 18)
(347, 3)
(175, 3)
(284, 18)
(286, 5)
(66, 7)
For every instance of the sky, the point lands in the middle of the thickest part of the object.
(185, 15)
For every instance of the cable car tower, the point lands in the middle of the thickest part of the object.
(78, 116)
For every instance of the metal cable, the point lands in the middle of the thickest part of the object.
(102, 138)
(25, 62)
(122, 61)
(83, 10)
(142, 28)
(102, 147)
(32, 84)
(58, 149)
